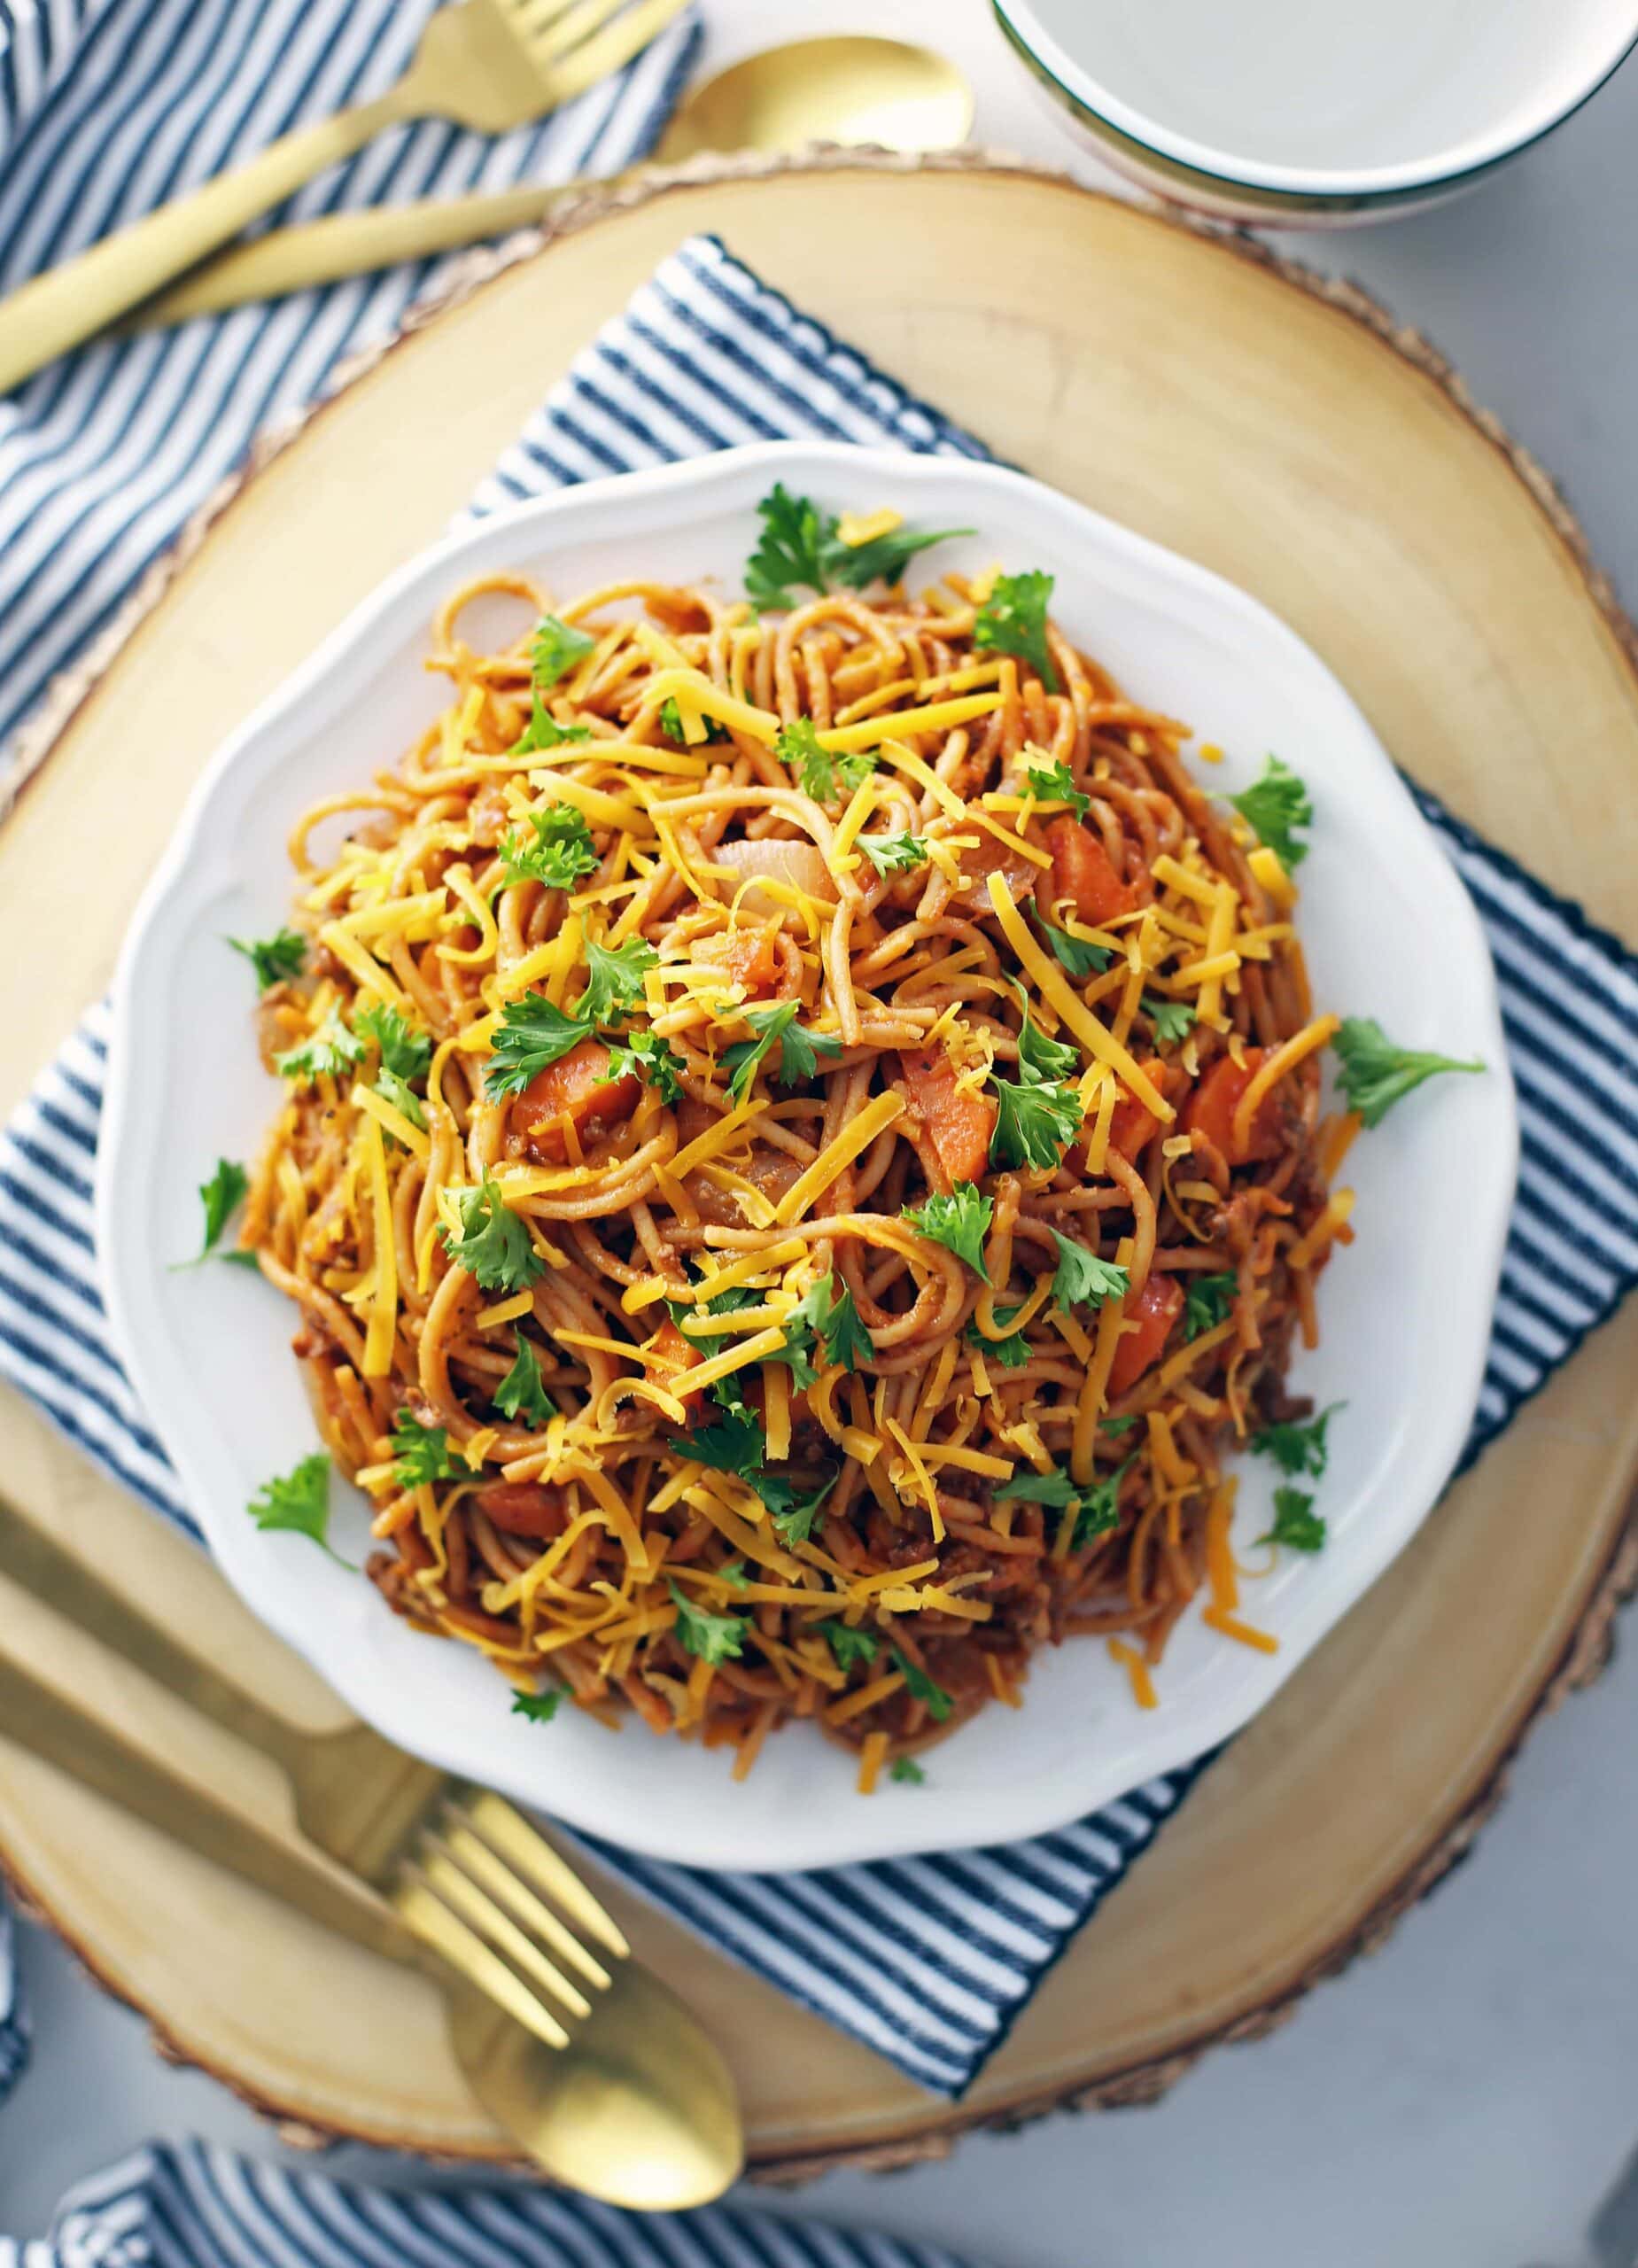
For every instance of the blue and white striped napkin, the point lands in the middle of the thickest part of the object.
(928, 1961)
(194, 2206)
(105, 455)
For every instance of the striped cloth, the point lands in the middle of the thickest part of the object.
(928, 1961)
(191, 2205)
(104, 454)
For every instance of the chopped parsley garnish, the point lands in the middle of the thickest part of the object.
(1171, 1019)
(1034, 1122)
(829, 1316)
(491, 1243)
(924, 1688)
(1081, 1279)
(651, 1059)
(275, 960)
(1297, 1449)
(402, 1097)
(221, 1196)
(1119, 1424)
(907, 1772)
(543, 731)
(1274, 806)
(820, 772)
(960, 1222)
(540, 1708)
(671, 725)
(533, 1032)
(799, 547)
(1032, 1488)
(1055, 784)
(728, 1302)
(793, 1514)
(893, 854)
(1011, 1352)
(1376, 1074)
(849, 1647)
(1098, 1512)
(561, 855)
(420, 1453)
(325, 1054)
(733, 1573)
(406, 1054)
(1013, 620)
(522, 1394)
(731, 1444)
(554, 649)
(1080, 957)
(708, 1637)
(1296, 1524)
(298, 1502)
(799, 1049)
(1209, 1299)
(614, 979)
(1096, 1507)
(1043, 1060)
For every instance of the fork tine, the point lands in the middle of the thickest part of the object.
(426, 1914)
(444, 1878)
(595, 58)
(476, 1859)
(507, 1832)
(552, 27)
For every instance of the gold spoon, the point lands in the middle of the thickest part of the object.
(849, 88)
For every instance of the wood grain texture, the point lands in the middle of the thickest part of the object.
(1274, 426)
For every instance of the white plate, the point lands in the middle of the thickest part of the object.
(1389, 933)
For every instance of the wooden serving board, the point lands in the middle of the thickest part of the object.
(1276, 429)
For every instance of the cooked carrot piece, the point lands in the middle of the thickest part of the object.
(1081, 873)
(1132, 1123)
(1210, 1110)
(576, 1090)
(1154, 1311)
(958, 1121)
(679, 1353)
(523, 1508)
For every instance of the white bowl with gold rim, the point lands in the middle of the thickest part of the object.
(1405, 1312)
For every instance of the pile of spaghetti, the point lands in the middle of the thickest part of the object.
(801, 1150)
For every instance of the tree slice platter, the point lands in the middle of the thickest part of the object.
(1279, 429)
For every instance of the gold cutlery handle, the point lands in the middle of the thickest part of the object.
(67, 305)
(39, 1718)
(39, 1565)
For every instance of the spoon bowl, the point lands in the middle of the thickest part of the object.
(849, 88)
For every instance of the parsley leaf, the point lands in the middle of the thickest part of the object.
(325, 1053)
(799, 1049)
(731, 1444)
(651, 1059)
(1297, 1449)
(1171, 1019)
(1274, 806)
(420, 1453)
(533, 1032)
(1096, 1506)
(521, 1394)
(820, 773)
(297, 1501)
(540, 1708)
(1013, 620)
(221, 1196)
(1208, 1301)
(1040, 1058)
(1119, 1424)
(1011, 1352)
(561, 855)
(1034, 1122)
(401, 1095)
(1081, 959)
(728, 1302)
(1081, 1279)
(276, 959)
(492, 1242)
(709, 1637)
(405, 1052)
(671, 725)
(1376, 1074)
(1099, 1511)
(960, 1222)
(793, 1522)
(1296, 1524)
(1055, 784)
(830, 1316)
(1029, 1487)
(614, 979)
(924, 1688)
(554, 649)
(849, 1646)
(893, 854)
(799, 545)
(907, 1772)
(543, 731)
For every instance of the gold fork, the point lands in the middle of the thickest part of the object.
(490, 64)
(632, 2103)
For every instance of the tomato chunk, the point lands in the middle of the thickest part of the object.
(1132, 1123)
(991, 856)
(679, 1353)
(958, 1121)
(1081, 873)
(1210, 1110)
(1154, 1311)
(575, 1090)
(753, 958)
(523, 1508)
